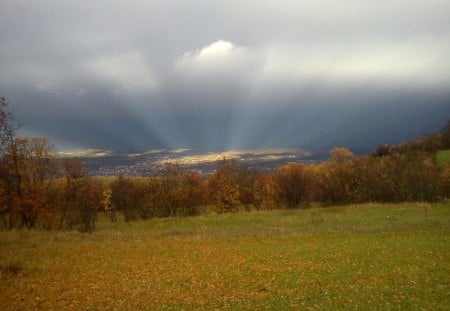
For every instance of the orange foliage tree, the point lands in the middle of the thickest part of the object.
(27, 169)
(224, 188)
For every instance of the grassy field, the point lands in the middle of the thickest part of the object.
(382, 257)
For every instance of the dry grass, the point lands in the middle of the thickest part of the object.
(355, 257)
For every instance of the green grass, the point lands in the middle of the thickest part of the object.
(443, 157)
(373, 256)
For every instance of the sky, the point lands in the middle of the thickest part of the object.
(226, 75)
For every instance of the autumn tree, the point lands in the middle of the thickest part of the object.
(27, 169)
(445, 133)
(171, 193)
(223, 187)
(7, 181)
(37, 190)
(420, 176)
(125, 196)
(7, 128)
(169, 190)
(444, 182)
(37, 170)
(345, 179)
(88, 203)
(107, 204)
(246, 181)
(292, 185)
(338, 181)
(80, 197)
(192, 194)
(318, 175)
(264, 192)
(340, 154)
(383, 150)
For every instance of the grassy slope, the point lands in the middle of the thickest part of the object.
(443, 157)
(355, 257)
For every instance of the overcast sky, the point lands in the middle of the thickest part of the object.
(220, 75)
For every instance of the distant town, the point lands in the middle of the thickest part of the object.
(107, 163)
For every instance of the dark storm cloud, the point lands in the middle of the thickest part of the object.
(213, 75)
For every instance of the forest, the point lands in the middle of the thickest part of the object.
(40, 190)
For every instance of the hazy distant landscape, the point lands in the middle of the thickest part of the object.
(147, 163)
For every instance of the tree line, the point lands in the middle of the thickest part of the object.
(40, 190)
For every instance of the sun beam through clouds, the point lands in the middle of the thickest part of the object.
(225, 74)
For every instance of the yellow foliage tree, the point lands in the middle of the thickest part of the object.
(223, 187)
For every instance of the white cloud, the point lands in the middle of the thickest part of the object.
(419, 63)
(408, 63)
(218, 58)
(220, 48)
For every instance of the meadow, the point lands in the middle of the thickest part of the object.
(357, 257)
